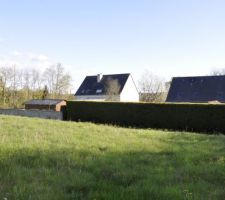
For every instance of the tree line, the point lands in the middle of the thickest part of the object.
(18, 85)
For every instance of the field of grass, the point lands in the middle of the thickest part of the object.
(54, 160)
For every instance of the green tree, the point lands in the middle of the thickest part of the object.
(45, 92)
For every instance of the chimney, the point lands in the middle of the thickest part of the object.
(99, 77)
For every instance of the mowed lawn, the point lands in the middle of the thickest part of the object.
(54, 160)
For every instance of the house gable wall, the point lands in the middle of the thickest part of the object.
(129, 92)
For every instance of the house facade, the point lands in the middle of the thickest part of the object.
(114, 87)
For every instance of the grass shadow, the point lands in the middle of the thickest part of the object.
(71, 174)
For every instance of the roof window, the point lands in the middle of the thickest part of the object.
(99, 91)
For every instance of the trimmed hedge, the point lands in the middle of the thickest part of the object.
(64, 112)
(188, 117)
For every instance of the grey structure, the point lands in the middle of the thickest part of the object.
(44, 101)
(33, 113)
(199, 89)
(45, 104)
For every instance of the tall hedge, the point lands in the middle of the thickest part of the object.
(191, 117)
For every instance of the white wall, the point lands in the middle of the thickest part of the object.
(90, 98)
(129, 92)
(46, 114)
(96, 98)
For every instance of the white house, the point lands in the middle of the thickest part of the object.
(114, 87)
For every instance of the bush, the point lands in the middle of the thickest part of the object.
(188, 117)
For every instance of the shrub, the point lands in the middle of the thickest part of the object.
(191, 117)
(64, 112)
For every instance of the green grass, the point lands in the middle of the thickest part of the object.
(54, 160)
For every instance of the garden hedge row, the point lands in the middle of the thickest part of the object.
(188, 117)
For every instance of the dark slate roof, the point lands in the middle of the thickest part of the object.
(90, 86)
(197, 89)
(44, 101)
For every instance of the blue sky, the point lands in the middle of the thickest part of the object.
(169, 38)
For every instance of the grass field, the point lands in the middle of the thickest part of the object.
(54, 160)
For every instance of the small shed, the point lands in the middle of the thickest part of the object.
(45, 104)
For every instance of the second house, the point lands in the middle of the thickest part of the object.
(114, 87)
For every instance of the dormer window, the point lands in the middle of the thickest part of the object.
(99, 91)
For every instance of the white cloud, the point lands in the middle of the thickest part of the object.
(25, 60)
(17, 53)
(34, 57)
(39, 58)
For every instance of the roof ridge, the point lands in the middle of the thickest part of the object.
(108, 74)
(45, 100)
(206, 76)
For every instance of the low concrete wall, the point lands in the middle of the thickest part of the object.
(33, 113)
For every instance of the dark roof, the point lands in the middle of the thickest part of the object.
(197, 89)
(44, 101)
(90, 86)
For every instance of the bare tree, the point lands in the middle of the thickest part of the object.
(17, 86)
(63, 80)
(57, 80)
(1, 88)
(5, 74)
(112, 89)
(9, 84)
(27, 83)
(49, 78)
(14, 84)
(218, 72)
(35, 80)
(151, 88)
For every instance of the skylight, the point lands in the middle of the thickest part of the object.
(99, 91)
